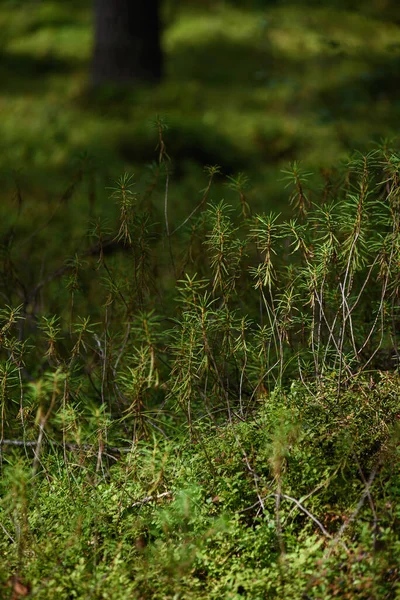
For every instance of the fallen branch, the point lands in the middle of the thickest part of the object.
(148, 499)
(298, 504)
(69, 446)
(307, 512)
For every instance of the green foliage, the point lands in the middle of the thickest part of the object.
(206, 407)
(198, 395)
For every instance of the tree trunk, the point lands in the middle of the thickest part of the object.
(127, 41)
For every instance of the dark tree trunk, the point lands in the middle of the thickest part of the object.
(127, 41)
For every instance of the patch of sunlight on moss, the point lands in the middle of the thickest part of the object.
(26, 18)
(290, 32)
(38, 133)
(195, 28)
(295, 31)
(70, 42)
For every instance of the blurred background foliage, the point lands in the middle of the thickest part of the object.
(250, 85)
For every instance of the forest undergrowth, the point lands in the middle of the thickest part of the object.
(206, 408)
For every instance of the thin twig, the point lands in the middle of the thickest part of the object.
(200, 204)
(7, 534)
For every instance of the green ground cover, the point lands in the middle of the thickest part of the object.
(183, 520)
(199, 398)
